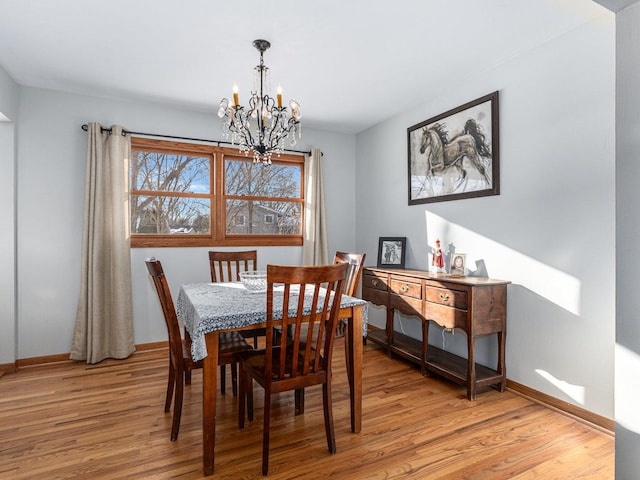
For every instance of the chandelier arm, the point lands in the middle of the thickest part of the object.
(276, 135)
(238, 130)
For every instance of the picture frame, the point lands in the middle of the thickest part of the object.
(391, 252)
(458, 264)
(456, 154)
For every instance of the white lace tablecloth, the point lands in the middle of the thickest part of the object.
(207, 307)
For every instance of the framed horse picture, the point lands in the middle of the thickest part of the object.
(456, 154)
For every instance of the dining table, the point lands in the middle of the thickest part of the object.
(206, 309)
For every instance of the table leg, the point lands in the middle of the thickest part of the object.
(209, 391)
(354, 359)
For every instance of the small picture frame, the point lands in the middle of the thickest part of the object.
(391, 252)
(458, 264)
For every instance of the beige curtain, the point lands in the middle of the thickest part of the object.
(315, 250)
(104, 322)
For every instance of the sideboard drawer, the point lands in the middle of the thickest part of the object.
(406, 289)
(376, 282)
(447, 297)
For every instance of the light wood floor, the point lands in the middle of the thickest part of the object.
(107, 422)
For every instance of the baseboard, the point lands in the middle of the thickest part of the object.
(7, 368)
(594, 419)
(64, 358)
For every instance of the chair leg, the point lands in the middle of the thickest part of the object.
(242, 397)
(177, 408)
(223, 379)
(328, 417)
(249, 390)
(187, 377)
(171, 383)
(299, 401)
(265, 432)
(234, 379)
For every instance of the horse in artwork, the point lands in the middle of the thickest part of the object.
(443, 153)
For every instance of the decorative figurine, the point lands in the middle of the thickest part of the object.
(438, 259)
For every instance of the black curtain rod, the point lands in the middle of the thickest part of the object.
(85, 127)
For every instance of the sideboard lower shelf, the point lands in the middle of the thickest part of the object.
(446, 364)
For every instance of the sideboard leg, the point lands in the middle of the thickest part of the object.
(390, 315)
(425, 347)
(501, 363)
(471, 367)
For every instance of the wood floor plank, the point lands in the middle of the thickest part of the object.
(106, 421)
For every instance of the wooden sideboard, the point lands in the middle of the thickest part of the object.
(478, 306)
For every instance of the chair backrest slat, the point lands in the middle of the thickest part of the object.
(226, 266)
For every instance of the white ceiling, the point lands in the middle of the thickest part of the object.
(350, 63)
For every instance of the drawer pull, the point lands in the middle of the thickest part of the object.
(444, 297)
(404, 289)
(374, 282)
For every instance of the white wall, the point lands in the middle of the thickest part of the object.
(627, 234)
(9, 108)
(51, 168)
(550, 231)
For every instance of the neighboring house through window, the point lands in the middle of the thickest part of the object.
(185, 194)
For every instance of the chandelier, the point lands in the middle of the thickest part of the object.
(265, 124)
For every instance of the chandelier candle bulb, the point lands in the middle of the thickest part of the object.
(279, 91)
(236, 102)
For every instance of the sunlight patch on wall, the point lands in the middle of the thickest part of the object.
(627, 388)
(575, 392)
(4, 118)
(496, 260)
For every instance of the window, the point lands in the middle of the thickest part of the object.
(184, 194)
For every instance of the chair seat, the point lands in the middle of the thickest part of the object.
(256, 361)
(229, 344)
(186, 355)
(232, 342)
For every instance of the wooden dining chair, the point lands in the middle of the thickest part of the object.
(226, 267)
(355, 262)
(180, 362)
(296, 362)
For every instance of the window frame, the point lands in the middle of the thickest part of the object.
(218, 235)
